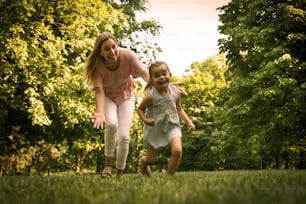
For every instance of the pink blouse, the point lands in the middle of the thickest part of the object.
(118, 84)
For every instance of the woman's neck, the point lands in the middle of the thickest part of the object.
(112, 66)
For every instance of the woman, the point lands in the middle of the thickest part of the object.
(108, 70)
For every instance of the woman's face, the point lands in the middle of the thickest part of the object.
(109, 51)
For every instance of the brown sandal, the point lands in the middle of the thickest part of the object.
(106, 174)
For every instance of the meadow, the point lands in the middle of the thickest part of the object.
(226, 187)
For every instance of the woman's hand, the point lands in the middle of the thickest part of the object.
(99, 120)
(179, 88)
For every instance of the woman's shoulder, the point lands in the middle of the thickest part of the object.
(126, 52)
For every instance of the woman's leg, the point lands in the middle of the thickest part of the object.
(110, 112)
(125, 116)
(176, 155)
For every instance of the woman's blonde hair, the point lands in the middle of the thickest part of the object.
(153, 65)
(94, 57)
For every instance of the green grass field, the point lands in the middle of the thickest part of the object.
(236, 187)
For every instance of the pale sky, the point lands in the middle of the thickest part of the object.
(190, 30)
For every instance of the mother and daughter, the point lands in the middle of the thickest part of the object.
(108, 70)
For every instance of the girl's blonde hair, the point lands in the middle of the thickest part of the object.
(94, 57)
(153, 65)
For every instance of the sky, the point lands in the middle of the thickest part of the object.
(190, 30)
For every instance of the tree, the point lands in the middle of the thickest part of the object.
(265, 47)
(139, 36)
(204, 85)
(43, 48)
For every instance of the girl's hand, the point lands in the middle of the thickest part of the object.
(191, 127)
(149, 121)
(99, 119)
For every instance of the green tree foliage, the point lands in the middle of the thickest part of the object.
(42, 97)
(265, 112)
(204, 85)
(139, 36)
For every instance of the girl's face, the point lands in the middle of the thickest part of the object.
(109, 51)
(160, 76)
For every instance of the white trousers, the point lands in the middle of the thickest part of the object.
(117, 133)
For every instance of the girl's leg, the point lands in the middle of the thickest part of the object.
(147, 160)
(176, 155)
(110, 112)
(125, 116)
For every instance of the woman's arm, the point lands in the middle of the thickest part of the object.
(145, 76)
(137, 68)
(99, 115)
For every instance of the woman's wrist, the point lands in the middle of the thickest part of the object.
(98, 114)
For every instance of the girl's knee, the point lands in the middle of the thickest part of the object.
(176, 147)
(176, 151)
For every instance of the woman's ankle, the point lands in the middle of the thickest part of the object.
(108, 161)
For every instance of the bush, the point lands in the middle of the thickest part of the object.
(241, 162)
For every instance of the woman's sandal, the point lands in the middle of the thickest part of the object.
(106, 174)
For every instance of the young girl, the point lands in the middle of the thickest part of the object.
(160, 110)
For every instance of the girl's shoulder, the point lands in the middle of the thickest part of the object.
(153, 92)
(174, 88)
(156, 95)
(148, 98)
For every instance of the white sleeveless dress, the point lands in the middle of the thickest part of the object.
(163, 111)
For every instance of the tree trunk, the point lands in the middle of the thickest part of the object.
(28, 170)
(276, 161)
(301, 163)
(81, 155)
(286, 157)
(99, 162)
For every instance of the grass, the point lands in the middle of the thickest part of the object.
(226, 187)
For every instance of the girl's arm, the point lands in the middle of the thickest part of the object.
(99, 115)
(183, 115)
(142, 109)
